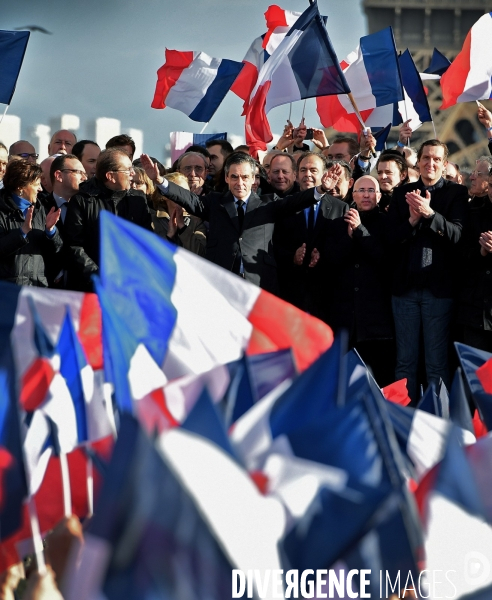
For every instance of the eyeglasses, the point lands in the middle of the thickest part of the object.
(78, 171)
(127, 171)
(480, 174)
(364, 190)
(27, 155)
(188, 170)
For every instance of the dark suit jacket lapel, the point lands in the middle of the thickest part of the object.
(230, 208)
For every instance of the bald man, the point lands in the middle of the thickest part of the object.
(62, 142)
(360, 300)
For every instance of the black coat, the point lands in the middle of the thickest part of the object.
(475, 297)
(360, 300)
(426, 255)
(305, 286)
(225, 243)
(60, 261)
(82, 228)
(23, 259)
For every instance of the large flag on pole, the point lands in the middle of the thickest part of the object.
(470, 75)
(304, 65)
(194, 83)
(13, 46)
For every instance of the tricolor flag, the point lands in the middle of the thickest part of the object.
(373, 74)
(304, 65)
(206, 315)
(13, 46)
(470, 75)
(194, 83)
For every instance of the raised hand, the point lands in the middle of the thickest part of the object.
(420, 204)
(405, 133)
(299, 255)
(27, 225)
(299, 134)
(287, 138)
(52, 218)
(319, 139)
(330, 179)
(151, 168)
(484, 116)
(367, 143)
(42, 587)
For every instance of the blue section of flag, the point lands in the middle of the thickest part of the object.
(269, 370)
(471, 359)
(205, 420)
(435, 402)
(381, 136)
(413, 86)
(383, 70)
(161, 545)
(200, 139)
(13, 46)
(72, 361)
(52, 440)
(42, 341)
(240, 395)
(13, 478)
(137, 272)
(313, 60)
(9, 298)
(119, 345)
(226, 74)
(439, 64)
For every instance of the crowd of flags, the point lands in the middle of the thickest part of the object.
(205, 425)
(295, 59)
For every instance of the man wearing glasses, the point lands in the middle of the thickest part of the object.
(66, 174)
(194, 166)
(25, 150)
(480, 180)
(112, 191)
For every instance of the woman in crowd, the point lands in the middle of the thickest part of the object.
(174, 224)
(28, 237)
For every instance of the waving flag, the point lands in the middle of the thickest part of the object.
(139, 272)
(194, 83)
(477, 368)
(470, 75)
(304, 65)
(439, 64)
(13, 46)
(373, 74)
(278, 23)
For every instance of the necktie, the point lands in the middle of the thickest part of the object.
(311, 219)
(240, 214)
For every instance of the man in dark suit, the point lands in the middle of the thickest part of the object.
(303, 278)
(425, 222)
(241, 223)
(66, 175)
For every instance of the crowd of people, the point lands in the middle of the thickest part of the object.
(392, 247)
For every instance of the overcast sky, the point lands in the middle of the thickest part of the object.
(102, 57)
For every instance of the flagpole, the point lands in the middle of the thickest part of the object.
(4, 113)
(303, 110)
(290, 111)
(359, 116)
(90, 486)
(204, 127)
(36, 536)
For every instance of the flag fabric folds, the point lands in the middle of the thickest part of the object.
(13, 46)
(140, 272)
(194, 83)
(373, 74)
(470, 75)
(439, 64)
(304, 65)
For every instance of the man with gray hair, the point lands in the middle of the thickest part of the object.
(241, 223)
(479, 180)
(194, 166)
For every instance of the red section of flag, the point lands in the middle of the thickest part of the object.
(479, 426)
(425, 487)
(159, 398)
(6, 461)
(333, 114)
(90, 331)
(285, 326)
(274, 17)
(169, 73)
(258, 132)
(484, 374)
(245, 81)
(35, 384)
(397, 392)
(260, 480)
(454, 79)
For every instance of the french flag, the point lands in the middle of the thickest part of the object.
(194, 83)
(182, 140)
(192, 315)
(278, 22)
(373, 74)
(470, 75)
(304, 65)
